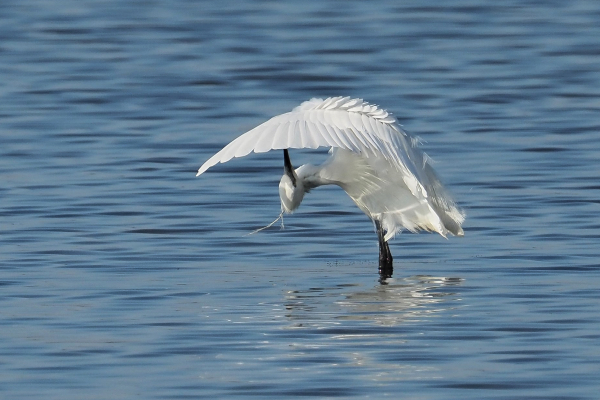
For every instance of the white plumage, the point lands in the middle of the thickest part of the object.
(378, 164)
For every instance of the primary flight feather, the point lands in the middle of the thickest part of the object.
(376, 162)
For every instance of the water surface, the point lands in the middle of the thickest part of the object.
(123, 276)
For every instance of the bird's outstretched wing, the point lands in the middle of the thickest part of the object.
(341, 122)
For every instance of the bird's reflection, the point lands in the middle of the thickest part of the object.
(396, 301)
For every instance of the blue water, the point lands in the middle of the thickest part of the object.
(123, 276)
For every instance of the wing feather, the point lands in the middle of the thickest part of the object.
(372, 142)
(265, 139)
(333, 135)
(322, 132)
(294, 141)
(336, 121)
(281, 136)
(245, 145)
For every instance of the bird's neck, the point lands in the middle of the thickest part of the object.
(310, 175)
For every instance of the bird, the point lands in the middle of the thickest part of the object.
(378, 164)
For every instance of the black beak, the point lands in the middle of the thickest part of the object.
(287, 166)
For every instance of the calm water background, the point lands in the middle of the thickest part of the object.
(123, 276)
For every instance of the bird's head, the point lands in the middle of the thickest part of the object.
(291, 187)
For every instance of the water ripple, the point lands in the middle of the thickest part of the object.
(123, 276)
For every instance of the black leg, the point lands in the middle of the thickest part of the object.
(390, 259)
(385, 255)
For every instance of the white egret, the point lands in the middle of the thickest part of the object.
(376, 162)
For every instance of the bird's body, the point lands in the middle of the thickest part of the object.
(376, 163)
